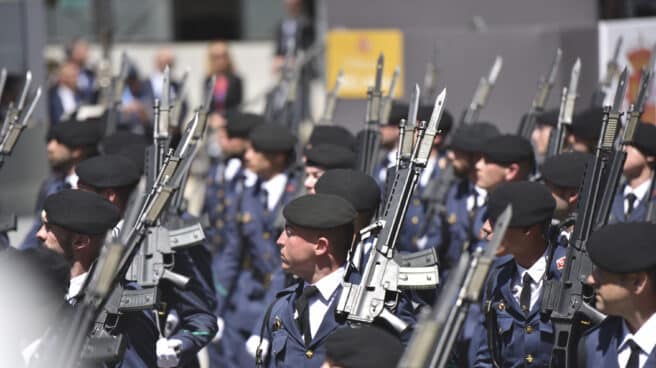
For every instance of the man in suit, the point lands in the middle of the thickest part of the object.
(513, 332)
(77, 52)
(313, 246)
(633, 197)
(625, 286)
(64, 97)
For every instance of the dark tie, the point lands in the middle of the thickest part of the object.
(630, 200)
(634, 358)
(525, 295)
(302, 307)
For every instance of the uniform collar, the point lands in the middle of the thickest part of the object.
(639, 191)
(231, 168)
(274, 187)
(644, 337)
(328, 284)
(536, 271)
(75, 285)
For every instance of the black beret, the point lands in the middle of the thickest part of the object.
(549, 117)
(363, 347)
(624, 247)
(272, 138)
(81, 212)
(333, 134)
(240, 124)
(424, 113)
(114, 143)
(136, 153)
(645, 139)
(319, 211)
(110, 171)
(360, 189)
(77, 133)
(469, 138)
(330, 156)
(398, 111)
(566, 169)
(508, 148)
(531, 202)
(587, 124)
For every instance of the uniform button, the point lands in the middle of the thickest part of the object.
(266, 235)
(416, 202)
(529, 359)
(415, 220)
(309, 354)
(227, 202)
(529, 329)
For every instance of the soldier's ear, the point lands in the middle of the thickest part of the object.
(322, 246)
(81, 241)
(640, 284)
(512, 171)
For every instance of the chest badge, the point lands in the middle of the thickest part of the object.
(277, 324)
(245, 217)
(452, 219)
(501, 306)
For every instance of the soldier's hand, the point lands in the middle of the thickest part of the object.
(167, 352)
(172, 321)
(219, 332)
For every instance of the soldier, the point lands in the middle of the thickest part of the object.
(250, 256)
(192, 310)
(545, 124)
(331, 134)
(362, 347)
(625, 286)
(322, 157)
(75, 224)
(514, 332)
(563, 174)
(69, 143)
(633, 198)
(586, 129)
(313, 246)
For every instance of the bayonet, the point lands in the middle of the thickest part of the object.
(386, 105)
(612, 67)
(3, 80)
(407, 128)
(482, 92)
(331, 100)
(26, 88)
(431, 77)
(543, 92)
(180, 98)
(566, 112)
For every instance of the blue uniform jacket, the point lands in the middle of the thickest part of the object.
(639, 213)
(521, 339)
(600, 344)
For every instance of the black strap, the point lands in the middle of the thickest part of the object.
(491, 321)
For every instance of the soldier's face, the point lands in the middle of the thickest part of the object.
(389, 135)
(613, 291)
(577, 144)
(258, 162)
(540, 138)
(635, 162)
(489, 174)
(55, 238)
(312, 175)
(297, 251)
(59, 155)
(462, 162)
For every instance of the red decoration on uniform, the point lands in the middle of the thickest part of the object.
(560, 263)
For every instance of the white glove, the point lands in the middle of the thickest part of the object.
(167, 352)
(219, 331)
(172, 321)
(253, 342)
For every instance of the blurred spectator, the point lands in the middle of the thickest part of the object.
(64, 96)
(155, 84)
(136, 105)
(227, 92)
(77, 52)
(295, 30)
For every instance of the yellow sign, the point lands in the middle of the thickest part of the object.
(356, 51)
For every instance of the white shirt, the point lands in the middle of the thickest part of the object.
(480, 199)
(67, 97)
(320, 303)
(231, 168)
(645, 338)
(536, 271)
(72, 180)
(391, 161)
(75, 285)
(274, 187)
(157, 83)
(640, 193)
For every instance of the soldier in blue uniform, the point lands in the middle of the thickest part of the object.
(69, 142)
(633, 197)
(586, 129)
(415, 219)
(625, 286)
(513, 332)
(250, 256)
(75, 224)
(322, 157)
(313, 246)
(563, 174)
(114, 177)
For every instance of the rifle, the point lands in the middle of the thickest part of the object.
(383, 278)
(557, 137)
(386, 102)
(437, 330)
(612, 68)
(371, 140)
(331, 101)
(430, 78)
(482, 93)
(179, 101)
(17, 117)
(566, 300)
(540, 100)
(118, 84)
(619, 156)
